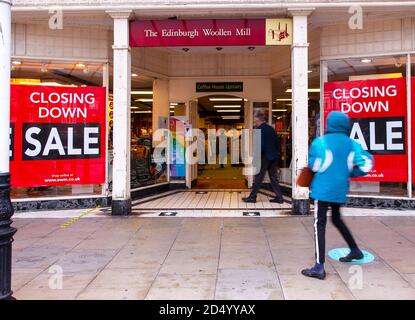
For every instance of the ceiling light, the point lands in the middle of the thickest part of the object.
(185, 49)
(55, 84)
(143, 100)
(134, 75)
(366, 60)
(283, 99)
(251, 48)
(225, 99)
(231, 117)
(16, 62)
(226, 106)
(141, 92)
(309, 90)
(147, 111)
(228, 110)
(310, 71)
(173, 103)
(279, 110)
(44, 69)
(80, 65)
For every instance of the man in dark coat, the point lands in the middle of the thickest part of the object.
(270, 150)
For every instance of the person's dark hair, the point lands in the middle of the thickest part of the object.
(260, 116)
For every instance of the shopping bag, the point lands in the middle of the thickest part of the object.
(305, 177)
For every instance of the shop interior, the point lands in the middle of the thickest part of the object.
(225, 115)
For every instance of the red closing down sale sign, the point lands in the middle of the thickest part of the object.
(57, 135)
(377, 110)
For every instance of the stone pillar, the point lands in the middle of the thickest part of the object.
(6, 208)
(121, 194)
(299, 84)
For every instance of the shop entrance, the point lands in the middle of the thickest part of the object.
(220, 119)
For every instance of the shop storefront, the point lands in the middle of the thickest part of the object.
(150, 73)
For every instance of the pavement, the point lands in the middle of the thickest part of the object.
(95, 256)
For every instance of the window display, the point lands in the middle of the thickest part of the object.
(372, 91)
(145, 168)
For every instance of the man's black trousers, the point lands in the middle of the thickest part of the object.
(320, 222)
(271, 166)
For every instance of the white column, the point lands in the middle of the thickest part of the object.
(324, 76)
(409, 122)
(6, 207)
(5, 60)
(299, 84)
(106, 83)
(121, 195)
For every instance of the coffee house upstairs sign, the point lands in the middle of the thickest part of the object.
(210, 32)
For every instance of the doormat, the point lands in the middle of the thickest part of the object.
(251, 213)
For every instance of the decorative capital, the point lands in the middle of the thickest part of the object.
(120, 14)
(300, 11)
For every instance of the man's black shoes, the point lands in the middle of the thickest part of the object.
(355, 254)
(249, 200)
(277, 200)
(318, 273)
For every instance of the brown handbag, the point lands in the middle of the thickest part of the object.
(305, 177)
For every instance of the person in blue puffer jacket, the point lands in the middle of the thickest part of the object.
(334, 158)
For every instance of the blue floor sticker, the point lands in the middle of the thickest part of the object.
(337, 253)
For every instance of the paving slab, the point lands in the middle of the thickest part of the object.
(245, 257)
(116, 278)
(298, 287)
(190, 262)
(248, 284)
(113, 294)
(183, 286)
(374, 281)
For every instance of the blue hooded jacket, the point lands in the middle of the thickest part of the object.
(335, 158)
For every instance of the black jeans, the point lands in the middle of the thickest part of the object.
(320, 222)
(271, 167)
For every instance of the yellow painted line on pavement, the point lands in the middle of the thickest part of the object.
(78, 217)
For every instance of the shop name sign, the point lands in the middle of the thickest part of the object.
(58, 134)
(219, 86)
(377, 109)
(210, 32)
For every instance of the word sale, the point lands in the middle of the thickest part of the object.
(60, 141)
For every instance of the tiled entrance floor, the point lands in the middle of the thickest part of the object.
(210, 200)
(206, 258)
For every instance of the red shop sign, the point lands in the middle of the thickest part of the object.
(210, 32)
(57, 135)
(377, 110)
(413, 125)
